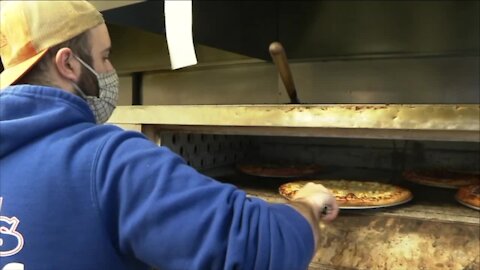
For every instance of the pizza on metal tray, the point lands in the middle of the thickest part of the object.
(441, 177)
(355, 193)
(469, 195)
(278, 170)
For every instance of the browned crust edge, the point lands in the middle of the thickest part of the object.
(423, 177)
(466, 195)
(400, 194)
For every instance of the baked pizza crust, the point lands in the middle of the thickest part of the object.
(469, 195)
(354, 193)
(441, 177)
(278, 170)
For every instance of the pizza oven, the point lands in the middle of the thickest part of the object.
(381, 88)
(432, 231)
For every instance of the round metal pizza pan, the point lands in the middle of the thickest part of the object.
(466, 204)
(360, 207)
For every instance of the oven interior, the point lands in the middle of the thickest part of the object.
(432, 231)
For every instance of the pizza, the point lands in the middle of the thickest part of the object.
(469, 195)
(354, 193)
(278, 170)
(442, 177)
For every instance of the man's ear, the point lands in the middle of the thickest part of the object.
(67, 66)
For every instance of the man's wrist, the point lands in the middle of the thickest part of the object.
(308, 213)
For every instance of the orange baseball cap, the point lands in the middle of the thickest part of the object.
(29, 28)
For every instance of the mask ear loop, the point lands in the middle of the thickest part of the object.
(82, 94)
(79, 91)
(86, 65)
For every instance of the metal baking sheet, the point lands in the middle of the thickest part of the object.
(466, 204)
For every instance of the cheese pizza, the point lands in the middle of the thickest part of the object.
(355, 193)
(441, 177)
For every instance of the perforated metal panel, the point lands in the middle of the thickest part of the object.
(206, 151)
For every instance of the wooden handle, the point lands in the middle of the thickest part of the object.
(279, 57)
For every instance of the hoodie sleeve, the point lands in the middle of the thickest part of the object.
(166, 214)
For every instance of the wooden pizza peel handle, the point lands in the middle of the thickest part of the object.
(279, 57)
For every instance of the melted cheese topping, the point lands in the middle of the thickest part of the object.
(344, 189)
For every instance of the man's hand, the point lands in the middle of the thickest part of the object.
(320, 199)
(315, 203)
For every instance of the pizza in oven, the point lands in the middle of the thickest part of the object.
(278, 170)
(469, 196)
(441, 177)
(355, 194)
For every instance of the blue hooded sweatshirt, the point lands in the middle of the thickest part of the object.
(76, 195)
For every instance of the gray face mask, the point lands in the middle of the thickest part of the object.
(103, 105)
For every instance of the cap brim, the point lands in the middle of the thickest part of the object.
(12, 74)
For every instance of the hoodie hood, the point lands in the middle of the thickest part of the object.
(29, 112)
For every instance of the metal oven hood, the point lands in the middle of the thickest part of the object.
(319, 29)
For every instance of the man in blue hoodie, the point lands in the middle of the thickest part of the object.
(76, 194)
